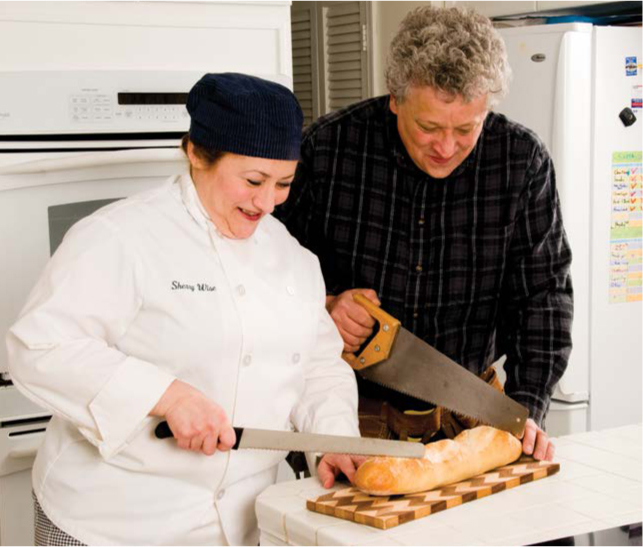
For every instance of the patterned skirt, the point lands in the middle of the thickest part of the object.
(46, 532)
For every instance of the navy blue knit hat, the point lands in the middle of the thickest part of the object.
(245, 115)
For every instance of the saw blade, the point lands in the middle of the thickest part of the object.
(418, 370)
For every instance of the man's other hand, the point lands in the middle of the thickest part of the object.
(536, 442)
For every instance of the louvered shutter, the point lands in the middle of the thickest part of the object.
(345, 58)
(305, 87)
(330, 63)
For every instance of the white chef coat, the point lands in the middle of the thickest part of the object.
(147, 290)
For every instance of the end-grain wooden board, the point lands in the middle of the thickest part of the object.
(386, 512)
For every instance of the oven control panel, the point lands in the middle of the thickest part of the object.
(102, 108)
(106, 101)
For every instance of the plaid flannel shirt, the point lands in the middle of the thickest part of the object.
(476, 264)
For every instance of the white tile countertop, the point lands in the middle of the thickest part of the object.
(598, 487)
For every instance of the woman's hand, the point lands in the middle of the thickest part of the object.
(332, 464)
(354, 323)
(198, 424)
(536, 442)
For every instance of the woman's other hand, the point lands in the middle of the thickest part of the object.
(332, 464)
(354, 323)
(198, 424)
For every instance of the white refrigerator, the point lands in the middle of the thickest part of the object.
(570, 83)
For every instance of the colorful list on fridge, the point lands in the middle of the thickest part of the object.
(626, 228)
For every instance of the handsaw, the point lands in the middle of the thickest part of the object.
(397, 359)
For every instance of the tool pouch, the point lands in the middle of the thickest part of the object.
(380, 419)
(414, 425)
(453, 423)
(380, 415)
(373, 421)
(383, 414)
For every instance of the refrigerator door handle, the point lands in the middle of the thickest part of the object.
(560, 96)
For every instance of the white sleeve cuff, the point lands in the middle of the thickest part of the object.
(125, 401)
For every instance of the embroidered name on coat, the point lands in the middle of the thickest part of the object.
(193, 287)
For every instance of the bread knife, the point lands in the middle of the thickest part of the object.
(312, 442)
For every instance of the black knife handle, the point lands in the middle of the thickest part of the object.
(238, 431)
(163, 431)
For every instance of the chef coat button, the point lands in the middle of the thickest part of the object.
(247, 360)
(290, 290)
(296, 357)
(220, 494)
(241, 290)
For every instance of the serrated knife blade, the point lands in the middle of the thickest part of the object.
(417, 369)
(310, 442)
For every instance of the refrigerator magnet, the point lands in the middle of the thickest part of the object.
(631, 68)
(637, 96)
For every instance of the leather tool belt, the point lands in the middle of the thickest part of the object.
(386, 414)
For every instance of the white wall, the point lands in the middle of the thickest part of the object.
(387, 17)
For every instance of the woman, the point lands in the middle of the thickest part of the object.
(192, 304)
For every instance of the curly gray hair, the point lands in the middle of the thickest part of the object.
(453, 50)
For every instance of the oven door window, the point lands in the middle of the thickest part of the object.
(62, 217)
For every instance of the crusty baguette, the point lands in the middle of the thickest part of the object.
(472, 452)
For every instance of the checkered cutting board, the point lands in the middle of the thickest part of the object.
(389, 511)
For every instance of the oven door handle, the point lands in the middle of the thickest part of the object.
(94, 159)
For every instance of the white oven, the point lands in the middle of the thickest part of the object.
(50, 180)
(92, 109)
(47, 183)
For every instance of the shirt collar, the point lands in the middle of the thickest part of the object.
(192, 202)
(198, 212)
(399, 152)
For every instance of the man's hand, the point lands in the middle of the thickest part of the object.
(536, 443)
(332, 464)
(355, 324)
(198, 424)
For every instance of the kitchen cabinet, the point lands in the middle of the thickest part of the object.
(549, 5)
(499, 9)
(495, 9)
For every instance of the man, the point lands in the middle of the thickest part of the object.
(444, 213)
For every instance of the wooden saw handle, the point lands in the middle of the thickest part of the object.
(379, 348)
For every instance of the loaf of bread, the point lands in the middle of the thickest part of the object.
(472, 452)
